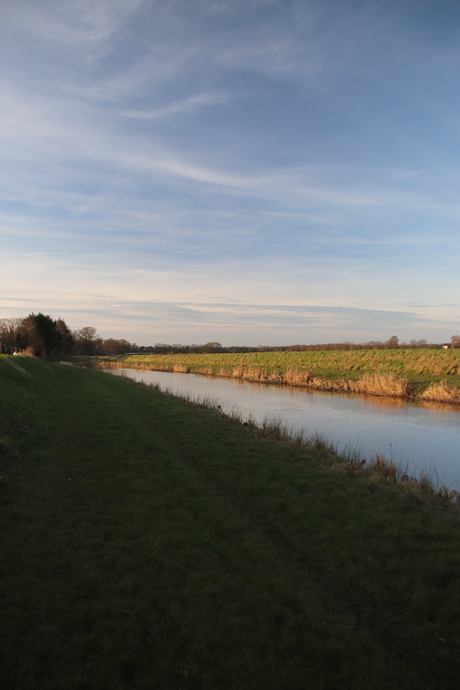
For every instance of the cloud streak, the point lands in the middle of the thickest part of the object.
(197, 153)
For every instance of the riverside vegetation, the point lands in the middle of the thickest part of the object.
(148, 542)
(425, 374)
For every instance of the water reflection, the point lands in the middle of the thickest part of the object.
(419, 435)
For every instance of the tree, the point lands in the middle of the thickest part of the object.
(87, 340)
(8, 329)
(67, 340)
(212, 347)
(111, 346)
(392, 343)
(39, 334)
(455, 341)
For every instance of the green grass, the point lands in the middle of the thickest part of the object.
(151, 543)
(20, 383)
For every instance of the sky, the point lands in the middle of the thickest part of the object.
(242, 171)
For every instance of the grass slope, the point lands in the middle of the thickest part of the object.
(150, 543)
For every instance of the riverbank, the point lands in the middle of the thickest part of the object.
(150, 542)
(432, 375)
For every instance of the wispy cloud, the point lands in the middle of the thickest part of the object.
(185, 106)
(253, 153)
(80, 21)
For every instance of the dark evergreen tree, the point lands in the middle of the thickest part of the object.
(43, 336)
(67, 339)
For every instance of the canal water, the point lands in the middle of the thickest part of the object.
(418, 436)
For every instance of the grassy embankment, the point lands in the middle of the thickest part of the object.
(150, 543)
(424, 374)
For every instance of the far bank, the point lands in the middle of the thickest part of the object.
(424, 374)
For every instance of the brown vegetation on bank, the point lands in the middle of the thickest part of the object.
(381, 383)
(441, 392)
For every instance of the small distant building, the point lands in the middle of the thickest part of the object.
(445, 346)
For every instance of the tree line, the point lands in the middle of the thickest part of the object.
(390, 344)
(41, 335)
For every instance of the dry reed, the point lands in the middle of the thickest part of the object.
(180, 369)
(441, 392)
(384, 383)
(380, 383)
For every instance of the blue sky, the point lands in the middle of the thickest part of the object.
(245, 171)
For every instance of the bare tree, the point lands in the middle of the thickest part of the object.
(8, 330)
(87, 340)
(392, 343)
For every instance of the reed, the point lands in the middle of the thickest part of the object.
(441, 392)
(205, 371)
(180, 369)
(295, 377)
(382, 383)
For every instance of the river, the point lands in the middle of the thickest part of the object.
(418, 436)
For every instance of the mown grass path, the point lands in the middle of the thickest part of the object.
(150, 543)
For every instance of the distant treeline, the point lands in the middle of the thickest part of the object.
(391, 344)
(41, 335)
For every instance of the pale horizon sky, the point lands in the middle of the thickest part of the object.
(248, 172)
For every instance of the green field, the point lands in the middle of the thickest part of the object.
(147, 542)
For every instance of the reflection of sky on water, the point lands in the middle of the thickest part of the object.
(424, 436)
